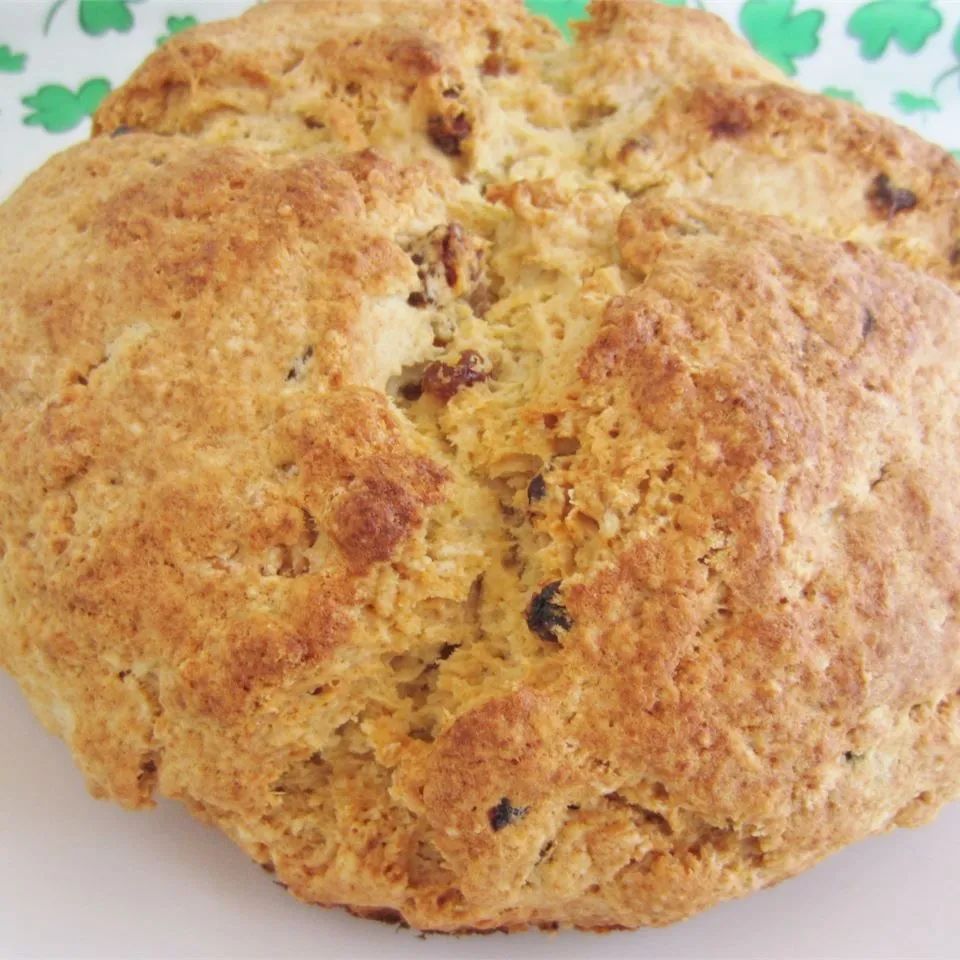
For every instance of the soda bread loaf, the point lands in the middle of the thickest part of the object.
(497, 482)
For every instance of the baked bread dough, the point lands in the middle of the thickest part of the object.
(497, 483)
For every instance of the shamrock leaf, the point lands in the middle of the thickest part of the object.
(560, 12)
(839, 93)
(914, 103)
(99, 16)
(174, 26)
(11, 62)
(58, 109)
(780, 34)
(911, 23)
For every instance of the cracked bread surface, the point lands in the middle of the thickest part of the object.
(496, 521)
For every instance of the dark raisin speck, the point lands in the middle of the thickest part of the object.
(295, 372)
(852, 757)
(450, 247)
(121, 131)
(545, 616)
(888, 200)
(504, 813)
(536, 489)
(417, 299)
(869, 322)
(411, 391)
(448, 133)
(955, 255)
(443, 380)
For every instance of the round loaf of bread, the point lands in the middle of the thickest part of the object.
(498, 482)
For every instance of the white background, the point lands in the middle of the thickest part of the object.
(83, 879)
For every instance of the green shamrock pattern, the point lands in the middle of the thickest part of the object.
(780, 32)
(96, 17)
(908, 23)
(914, 103)
(865, 35)
(58, 109)
(561, 12)
(176, 25)
(841, 93)
(11, 62)
(99, 16)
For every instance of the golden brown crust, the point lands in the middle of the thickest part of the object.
(489, 554)
(400, 75)
(628, 53)
(650, 98)
(824, 163)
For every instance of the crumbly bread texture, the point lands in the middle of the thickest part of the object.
(498, 483)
